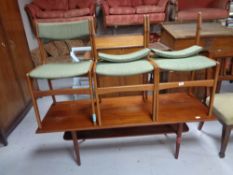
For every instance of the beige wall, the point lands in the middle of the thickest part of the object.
(30, 37)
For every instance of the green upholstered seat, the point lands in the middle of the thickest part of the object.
(123, 69)
(125, 57)
(62, 70)
(191, 51)
(63, 30)
(193, 63)
(223, 107)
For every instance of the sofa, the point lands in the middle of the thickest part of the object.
(186, 10)
(59, 10)
(131, 12)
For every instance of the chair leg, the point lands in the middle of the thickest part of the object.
(3, 138)
(92, 99)
(51, 88)
(145, 93)
(226, 131)
(178, 139)
(97, 100)
(76, 147)
(200, 125)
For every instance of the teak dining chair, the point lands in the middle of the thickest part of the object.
(52, 71)
(186, 60)
(123, 65)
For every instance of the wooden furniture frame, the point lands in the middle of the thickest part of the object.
(36, 93)
(15, 62)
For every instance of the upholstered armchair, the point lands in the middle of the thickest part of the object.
(60, 10)
(131, 12)
(186, 10)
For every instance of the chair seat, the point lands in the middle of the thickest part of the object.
(61, 70)
(223, 107)
(185, 64)
(124, 69)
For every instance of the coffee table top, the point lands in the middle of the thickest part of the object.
(188, 30)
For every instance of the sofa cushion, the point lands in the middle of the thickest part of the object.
(149, 9)
(118, 3)
(52, 4)
(76, 12)
(136, 3)
(80, 3)
(121, 10)
(150, 2)
(207, 14)
(133, 19)
(50, 14)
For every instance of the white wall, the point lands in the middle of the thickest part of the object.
(30, 37)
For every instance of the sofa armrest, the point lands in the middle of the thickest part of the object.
(32, 10)
(163, 4)
(223, 4)
(105, 7)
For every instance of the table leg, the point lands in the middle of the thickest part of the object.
(76, 147)
(178, 139)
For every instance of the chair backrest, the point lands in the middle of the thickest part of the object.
(123, 44)
(57, 31)
(198, 28)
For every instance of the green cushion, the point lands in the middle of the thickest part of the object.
(223, 107)
(191, 51)
(124, 69)
(185, 64)
(60, 70)
(63, 30)
(125, 57)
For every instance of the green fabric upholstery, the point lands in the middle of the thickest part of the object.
(123, 69)
(191, 51)
(223, 107)
(185, 64)
(62, 70)
(63, 30)
(125, 57)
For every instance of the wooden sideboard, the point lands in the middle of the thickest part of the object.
(15, 62)
(214, 37)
